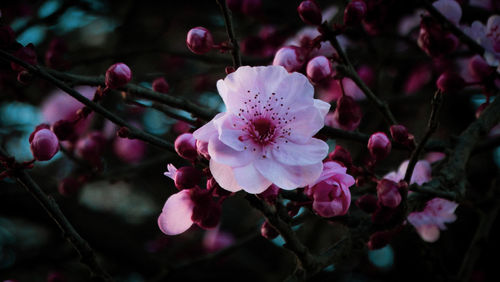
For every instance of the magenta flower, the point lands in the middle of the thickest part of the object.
(432, 219)
(489, 37)
(265, 136)
(330, 192)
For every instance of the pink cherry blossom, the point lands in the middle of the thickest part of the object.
(330, 192)
(432, 219)
(489, 37)
(265, 136)
(421, 173)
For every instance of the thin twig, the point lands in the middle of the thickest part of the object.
(348, 70)
(87, 254)
(134, 132)
(431, 128)
(309, 264)
(235, 48)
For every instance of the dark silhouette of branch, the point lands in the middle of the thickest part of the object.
(235, 48)
(134, 132)
(348, 70)
(431, 128)
(87, 254)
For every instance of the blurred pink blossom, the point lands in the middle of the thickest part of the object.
(421, 172)
(265, 136)
(487, 36)
(432, 219)
(215, 240)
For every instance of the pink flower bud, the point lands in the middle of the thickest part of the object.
(185, 146)
(91, 147)
(367, 74)
(479, 68)
(118, 75)
(202, 149)
(251, 7)
(43, 143)
(68, 186)
(400, 134)
(181, 127)
(161, 85)
(268, 231)
(129, 150)
(388, 193)
(26, 54)
(309, 12)
(199, 40)
(64, 129)
(347, 114)
(450, 82)
(354, 12)
(187, 177)
(341, 156)
(319, 68)
(7, 36)
(368, 203)
(379, 145)
(292, 58)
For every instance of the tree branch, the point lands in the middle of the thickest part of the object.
(348, 70)
(235, 50)
(431, 128)
(87, 254)
(134, 132)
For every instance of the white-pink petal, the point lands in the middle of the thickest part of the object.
(224, 176)
(286, 176)
(250, 180)
(450, 9)
(224, 154)
(176, 215)
(290, 153)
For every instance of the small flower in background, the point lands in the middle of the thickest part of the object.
(379, 145)
(271, 115)
(489, 37)
(432, 219)
(421, 173)
(216, 239)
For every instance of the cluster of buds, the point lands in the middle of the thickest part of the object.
(200, 206)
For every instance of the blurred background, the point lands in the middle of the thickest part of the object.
(116, 206)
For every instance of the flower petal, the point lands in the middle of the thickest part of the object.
(208, 130)
(308, 121)
(286, 176)
(290, 153)
(229, 130)
(224, 176)
(176, 215)
(224, 154)
(250, 179)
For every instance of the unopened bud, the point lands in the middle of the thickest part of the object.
(309, 12)
(319, 68)
(118, 75)
(199, 40)
(379, 145)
